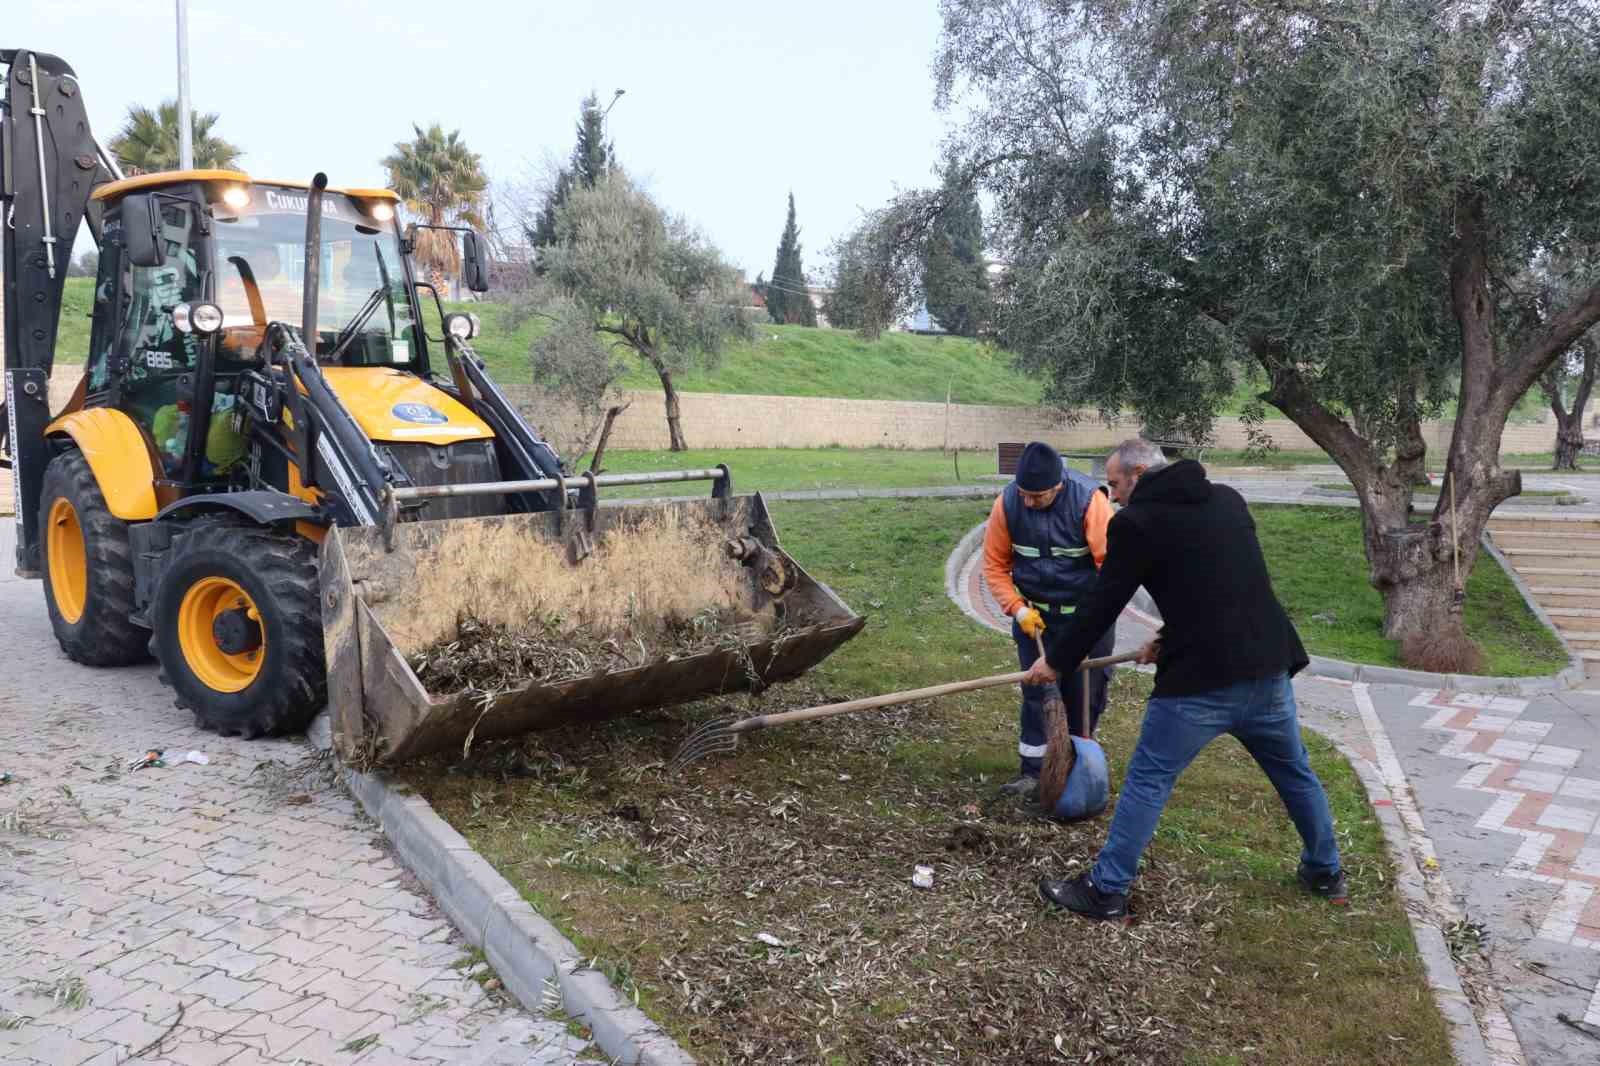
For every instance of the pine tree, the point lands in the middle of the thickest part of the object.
(787, 300)
(592, 157)
(954, 276)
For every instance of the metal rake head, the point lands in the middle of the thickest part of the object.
(713, 738)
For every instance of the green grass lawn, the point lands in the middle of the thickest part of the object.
(1541, 462)
(797, 469)
(1315, 554)
(1320, 574)
(72, 334)
(808, 835)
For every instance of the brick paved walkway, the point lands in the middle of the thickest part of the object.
(240, 912)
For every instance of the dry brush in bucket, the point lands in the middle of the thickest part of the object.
(494, 626)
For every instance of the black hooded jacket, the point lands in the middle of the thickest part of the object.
(1193, 546)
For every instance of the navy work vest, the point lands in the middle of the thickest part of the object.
(1050, 558)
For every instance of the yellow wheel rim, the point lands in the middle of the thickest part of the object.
(69, 561)
(206, 600)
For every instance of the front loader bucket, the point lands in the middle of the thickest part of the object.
(384, 604)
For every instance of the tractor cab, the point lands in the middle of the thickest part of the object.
(196, 264)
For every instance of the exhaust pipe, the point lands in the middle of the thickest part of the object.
(308, 318)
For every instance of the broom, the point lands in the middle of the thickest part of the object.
(1060, 754)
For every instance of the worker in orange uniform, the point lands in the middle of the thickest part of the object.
(1042, 553)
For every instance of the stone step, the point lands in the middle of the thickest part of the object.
(1570, 576)
(1568, 558)
(1536, 538)
(1542, 524)
(1591, 663)
(1568, 619)
(1582, 639)
(1563, 596)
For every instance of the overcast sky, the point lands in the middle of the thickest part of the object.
(728, 105)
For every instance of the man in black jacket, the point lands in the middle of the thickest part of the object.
(1223, 658)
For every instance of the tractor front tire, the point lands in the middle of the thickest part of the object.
(238, 629)
(88, 568)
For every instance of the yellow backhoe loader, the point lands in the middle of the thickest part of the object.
(272, 479)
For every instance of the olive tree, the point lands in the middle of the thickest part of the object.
(577, 376)
(648, 279)
(1332, 194)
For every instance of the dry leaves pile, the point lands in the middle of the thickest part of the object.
(491, 657)
(769, 912)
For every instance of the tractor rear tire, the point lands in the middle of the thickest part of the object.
(238, 629)
(88, 568)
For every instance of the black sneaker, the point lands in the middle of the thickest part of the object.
(1330, 887)
(1081, 897)
(1025, 786)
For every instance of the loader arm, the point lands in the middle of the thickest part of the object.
(49, 165)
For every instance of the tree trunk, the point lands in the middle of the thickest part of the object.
(1569, 441)
(605, 435)
(1569, 424)
(1418, 566)
(674, 414)
(1413, 565)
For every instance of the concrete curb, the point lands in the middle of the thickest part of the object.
(1338, 669)
(529, 954)
(1466, 1038)
(956, 562)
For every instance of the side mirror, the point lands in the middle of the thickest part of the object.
(141, 231)
(474, 262)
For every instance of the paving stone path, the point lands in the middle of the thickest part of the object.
(241, 911)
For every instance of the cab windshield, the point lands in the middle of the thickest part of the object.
(362, 305)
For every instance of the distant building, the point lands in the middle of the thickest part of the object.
(818, 294)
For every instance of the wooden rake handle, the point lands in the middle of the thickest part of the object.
(890, 699)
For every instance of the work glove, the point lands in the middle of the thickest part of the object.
(1030, 621)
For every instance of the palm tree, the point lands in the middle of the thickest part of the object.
(148, 141)
(441, 182)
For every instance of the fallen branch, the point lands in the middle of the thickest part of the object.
(1590, 1031)
(155, 1045)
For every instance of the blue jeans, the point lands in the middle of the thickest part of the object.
(1031, 734)
(1261, 714)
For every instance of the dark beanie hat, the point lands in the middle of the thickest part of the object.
(1039, 468)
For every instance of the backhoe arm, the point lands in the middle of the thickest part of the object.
(49, 164)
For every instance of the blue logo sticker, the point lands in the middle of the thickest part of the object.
(418, 412)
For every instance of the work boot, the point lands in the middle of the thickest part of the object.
(1025, 786)
(1081, 897)
(1330, 887)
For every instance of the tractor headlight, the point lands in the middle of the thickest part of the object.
(236, 197)
(381, 211)
(202, 318)
(462, 325)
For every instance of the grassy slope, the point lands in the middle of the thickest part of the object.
(783, 360)
(809, 833)
(1320, 574)
(795, 361)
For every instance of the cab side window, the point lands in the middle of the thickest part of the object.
(159, 357)
(109, 282)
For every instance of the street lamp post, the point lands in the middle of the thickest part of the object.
(185, 128)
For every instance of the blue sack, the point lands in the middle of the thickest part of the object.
(1088, 790)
